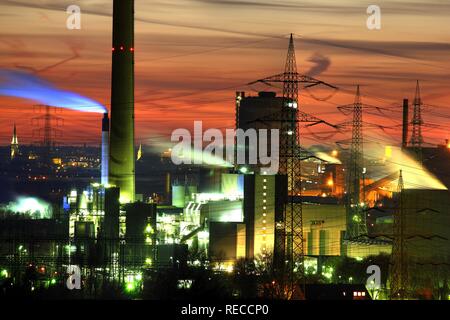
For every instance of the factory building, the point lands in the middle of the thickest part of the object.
(250, 110)
(427, 217)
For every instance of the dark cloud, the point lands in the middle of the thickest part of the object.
(430, 7)
(421, 52)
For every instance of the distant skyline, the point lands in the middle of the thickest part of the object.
(192, 55)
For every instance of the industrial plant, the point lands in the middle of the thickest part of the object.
(309, 231)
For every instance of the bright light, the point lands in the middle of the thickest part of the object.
(330, 182)
(4, 273)
(27, 205)
(328, 272)
(124, 199)
(130, 286)
(334, 153)
(243, 170)
(203, 235)
(292, 105)
(149, 229)
(388, 152)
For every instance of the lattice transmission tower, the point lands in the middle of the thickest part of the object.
(356, 171)
(417, 122)
(399, 265)
(289, 228)
(48, 131)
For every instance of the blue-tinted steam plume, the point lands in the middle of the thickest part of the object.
(24, 85)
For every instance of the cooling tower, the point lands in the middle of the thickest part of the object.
(122, 162)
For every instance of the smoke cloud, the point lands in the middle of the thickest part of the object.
(28, 86)
(321, 64)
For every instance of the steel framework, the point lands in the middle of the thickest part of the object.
(288, 249)
(417, 122)
(399, 271)
(355, 174)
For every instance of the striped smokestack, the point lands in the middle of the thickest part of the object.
(122, 162)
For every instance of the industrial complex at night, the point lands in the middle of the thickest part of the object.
(263, 216)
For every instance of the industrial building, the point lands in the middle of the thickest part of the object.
(230, 214)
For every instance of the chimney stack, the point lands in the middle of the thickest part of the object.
(105, 150)
(122, 156)
(405, 123)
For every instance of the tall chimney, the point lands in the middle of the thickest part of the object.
(122, 161)
(105, 150)
(405, 123)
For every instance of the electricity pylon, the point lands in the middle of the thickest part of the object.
(399, 271)
(417, 122)
(355, 172)
(290, 226)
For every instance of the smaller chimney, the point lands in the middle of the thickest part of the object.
(105, 150)
(405, 123)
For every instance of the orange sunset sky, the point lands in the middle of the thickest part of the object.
(192, 55)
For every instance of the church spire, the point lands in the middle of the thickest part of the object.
(14, 144)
